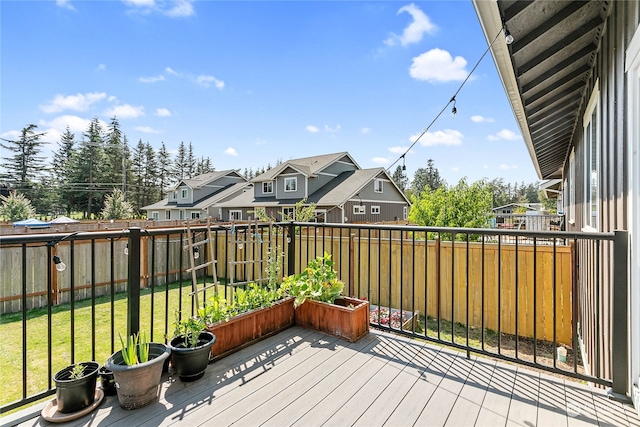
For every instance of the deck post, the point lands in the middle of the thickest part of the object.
(620, 318)
(291, 249)
(133, 282)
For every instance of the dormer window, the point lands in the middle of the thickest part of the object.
(291, 184)
(267, 187)
(175, 195)
(377, 186)
(184, 194)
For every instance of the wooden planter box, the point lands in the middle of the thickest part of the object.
(337, 319)
(248, 328)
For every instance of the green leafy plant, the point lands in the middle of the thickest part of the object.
(77, 371)
(318, 281)
(190, 329)
(135, 349)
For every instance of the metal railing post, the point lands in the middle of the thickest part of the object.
(291, 249)
(133, 282)
(620, 318)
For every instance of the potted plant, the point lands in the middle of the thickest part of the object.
(251, 314)
(137, 370)
(76, 386)
(190, 347)
(320, 305)
(107, 382)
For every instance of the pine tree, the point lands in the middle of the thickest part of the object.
(138, 165)
(164, 168)
(26, 165)
(151, 176)
(400, 178)
(180, 163)
(115, 168)
(426, 179)
(62, 174)
(191, 162)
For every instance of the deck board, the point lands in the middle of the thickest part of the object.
(305, 378)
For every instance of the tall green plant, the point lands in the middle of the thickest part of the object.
(318, 281)
(135, 349)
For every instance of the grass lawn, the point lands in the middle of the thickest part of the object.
(84, 346)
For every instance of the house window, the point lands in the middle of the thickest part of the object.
(155, 216)
(291, 184)
(184, 194)
(195, 215)
(267, 187)
(182, 214)
(235, 215)
(289, 214)
(405, 212)
(377, 186)
(167, 214)
(175, 195)
(591, 161)
(359, 209)
(375, 210)
(319, 216)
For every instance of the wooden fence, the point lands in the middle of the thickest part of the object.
(502, 281)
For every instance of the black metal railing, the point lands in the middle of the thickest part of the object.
(516, 295)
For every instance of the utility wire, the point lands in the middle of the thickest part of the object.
(453, 99)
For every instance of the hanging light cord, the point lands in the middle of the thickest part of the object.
(453, 99)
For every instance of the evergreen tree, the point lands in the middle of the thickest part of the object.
(426, 179)
(400, 178)
(115, 168)
(26, 165)
(16, 207)
(151, 177)
(116, 207)
(191, 162)
(164, 168)
(180, 168)
(138, 165)
(62, 174)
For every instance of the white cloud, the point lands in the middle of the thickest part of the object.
(125, 111)
(66, 4)
(398, 149)
(76, 124)
(455, 169)
(171, 8)
(365, 131)
(480, 119)
(505, 134)
(147, 129)
(506, 167)
(79, 102)
(11, 134)
(152, 79)
(170, 70)
(206, 81)
(163, 112)
(332, 130)
(312, 129)
(380, 160)
(231, 151)
(415, 30)
(440, 137)
(101, 67)
(437, 65)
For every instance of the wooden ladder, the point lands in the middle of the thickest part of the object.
(194, 247)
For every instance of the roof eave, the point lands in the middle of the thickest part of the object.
(491, 23)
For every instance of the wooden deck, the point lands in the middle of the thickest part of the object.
(304, 378)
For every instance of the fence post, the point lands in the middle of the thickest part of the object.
(620, 318)
(133, 282)
(291, 249)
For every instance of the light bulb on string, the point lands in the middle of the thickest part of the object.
(126, 249)
(240, 245)
(196, 253)
(60, 266)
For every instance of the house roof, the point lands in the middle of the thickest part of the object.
(338, 191)
(308, 166)
(200, 180)
(545, 70)
(221, 194)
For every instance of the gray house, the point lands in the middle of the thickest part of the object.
(196, 197)
(341, 191)
(571, 71)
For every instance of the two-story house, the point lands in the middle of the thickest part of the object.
(341, 191)
(196, 197)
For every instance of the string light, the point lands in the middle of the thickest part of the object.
(60, 266)
(508, 38)
(453, 98)
(196, 253)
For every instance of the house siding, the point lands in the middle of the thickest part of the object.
(298, 194)
(609, 71)
(327, 174)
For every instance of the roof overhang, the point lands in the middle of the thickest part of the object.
(546, 69)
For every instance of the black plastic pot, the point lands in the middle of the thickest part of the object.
(107, 382)
(191, 363)
(73, 395)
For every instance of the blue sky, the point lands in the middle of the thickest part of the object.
(249, 83)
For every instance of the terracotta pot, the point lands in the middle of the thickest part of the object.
(346, 318)
(247, 328)
(138, 385)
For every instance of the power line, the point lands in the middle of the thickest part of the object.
(453, 99)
